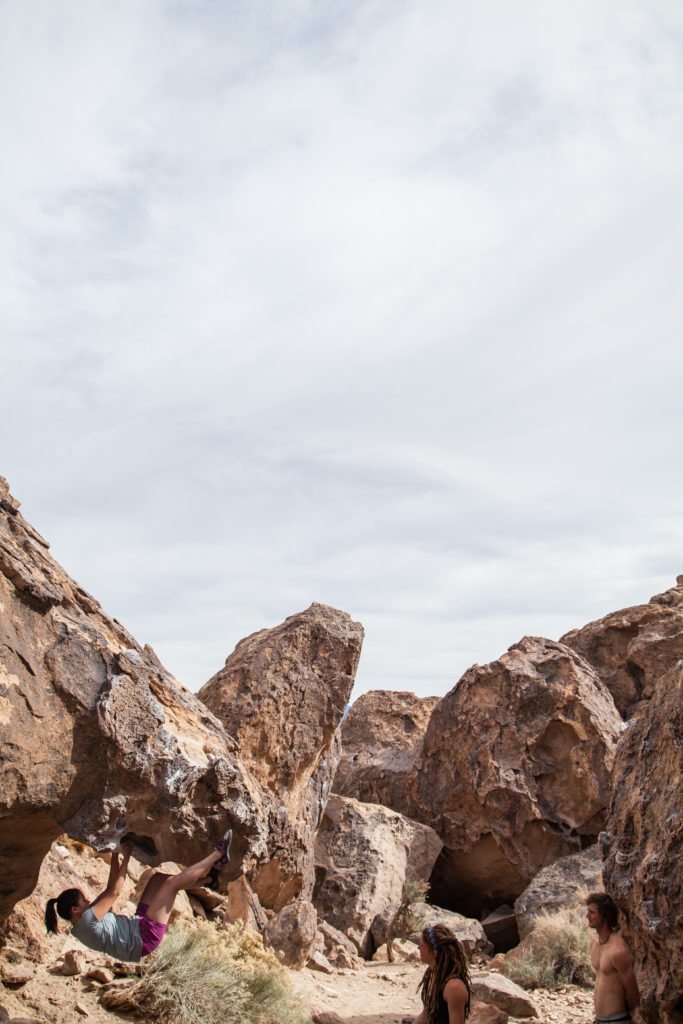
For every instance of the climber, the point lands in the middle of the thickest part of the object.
(119, 936)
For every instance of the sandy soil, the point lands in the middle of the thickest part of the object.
(386, 993)
(379, 993)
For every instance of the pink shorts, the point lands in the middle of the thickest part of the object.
(151, 932)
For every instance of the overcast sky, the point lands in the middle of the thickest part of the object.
(370, 303)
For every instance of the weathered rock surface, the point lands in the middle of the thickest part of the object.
(292, 932)
(500, 928)
(282, 694)
(497, 990)
(96, 739)
(514, 771)
(643, 845)
(633, 648)
(468, 930)
(561, 885)
(364, 854)
(381, 737)
(486, 1013)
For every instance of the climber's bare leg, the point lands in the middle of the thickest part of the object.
(161, 902)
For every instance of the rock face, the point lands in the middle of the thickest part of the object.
(96, 739)
(633, 648)
(514, 771)
(643, 845)
(281, 695)
(497, 990)
(560, 885)
(381, 738)
(364, 853)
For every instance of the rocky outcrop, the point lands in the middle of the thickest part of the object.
(281, 695)
(497, 990)
(468, 930)
(633, 648)
(364, 854)
(643, 845)
(381, 737)
(560, 886)
(514, 771)
(97, 739)
(292, 933)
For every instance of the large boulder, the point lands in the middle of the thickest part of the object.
(292, 932)
(364, 855)
(282, 695)
(633, 648)
(467, 929)
(381, 737)
(560, 886)
(97, 739)
(514, 772)
(643, 845)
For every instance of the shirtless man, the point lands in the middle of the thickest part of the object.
(616, 989)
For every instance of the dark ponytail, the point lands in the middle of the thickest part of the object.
(64, 903)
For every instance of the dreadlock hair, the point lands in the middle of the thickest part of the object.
(450, 962)
(65, 903)
(607, 908)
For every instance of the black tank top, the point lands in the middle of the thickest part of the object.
(442, 1010)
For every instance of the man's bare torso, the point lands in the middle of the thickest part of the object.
(609, 993)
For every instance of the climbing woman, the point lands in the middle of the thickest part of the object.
(445, 986)
(119, 936)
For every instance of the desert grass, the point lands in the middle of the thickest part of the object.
(203, 974)
(407, 919)
(556, 953)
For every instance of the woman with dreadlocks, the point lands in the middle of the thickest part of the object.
(445, 986)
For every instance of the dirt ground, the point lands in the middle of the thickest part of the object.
(386, 993)
(379, 993)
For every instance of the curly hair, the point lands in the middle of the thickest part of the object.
(450, 962)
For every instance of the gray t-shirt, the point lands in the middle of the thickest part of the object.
(116, 935)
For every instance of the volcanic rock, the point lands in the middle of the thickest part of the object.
(364, 854)
(497, 990)
(514, 771)
(633, 648)
(643, 869)
(561, 885)
(281, 695)
(292, 932)
(96, 738)
(381, 737)
(467, 929)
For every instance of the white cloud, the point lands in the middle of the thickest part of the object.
(373, 304)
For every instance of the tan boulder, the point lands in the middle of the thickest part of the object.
(515, 771)
(364, 854)
(486, 1013)
(96, 738)
(633, 648)
(497, 990)
(381, 737)
(281, 695)
(468, 930)
(562, 885)
(292, 932)
(643, 869)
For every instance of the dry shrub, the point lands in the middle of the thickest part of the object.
(556, 953)
(407, 918)
(203, 974)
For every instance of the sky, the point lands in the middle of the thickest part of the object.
(376, 304)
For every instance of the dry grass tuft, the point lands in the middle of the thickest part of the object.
(202, 974)
(556, 953)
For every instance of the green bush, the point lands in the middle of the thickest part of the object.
(556, 953)
(203, 974)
